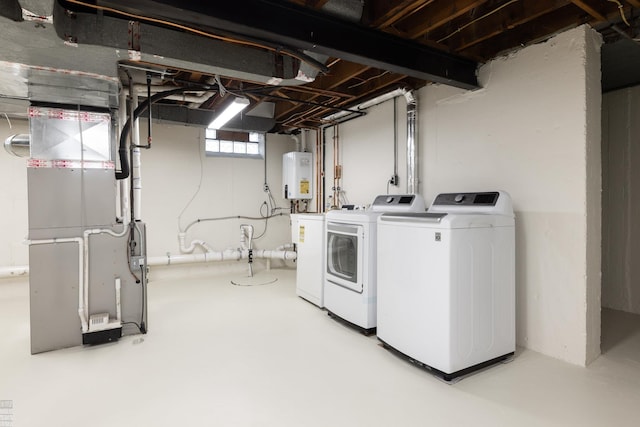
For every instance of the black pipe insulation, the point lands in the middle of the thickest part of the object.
(122, 148)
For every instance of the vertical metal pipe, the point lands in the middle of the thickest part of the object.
(136, 173)
(412, 143)
(123, 184)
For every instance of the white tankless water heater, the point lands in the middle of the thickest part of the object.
(297, 175)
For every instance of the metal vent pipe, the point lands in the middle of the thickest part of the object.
(412, 129)
(18, 145)
(412, 143)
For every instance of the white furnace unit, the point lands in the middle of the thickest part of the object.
(446, 283)
(297, 175)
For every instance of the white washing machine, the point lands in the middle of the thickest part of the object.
(446, 283)
(350, 275)
(307, 232)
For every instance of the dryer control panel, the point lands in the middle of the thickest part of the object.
(398, 202)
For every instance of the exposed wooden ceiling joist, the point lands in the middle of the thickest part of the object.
(476, 29)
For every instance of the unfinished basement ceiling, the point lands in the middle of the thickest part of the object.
(307, 59)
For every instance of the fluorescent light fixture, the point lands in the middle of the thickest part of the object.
(232, 109)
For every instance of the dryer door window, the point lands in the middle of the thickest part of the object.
(342, 256)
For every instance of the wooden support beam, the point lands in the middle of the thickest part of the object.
(506, 20)
(432, 18)
(395, 12)
(590, 10)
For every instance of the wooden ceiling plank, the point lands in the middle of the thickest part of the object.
(535, 30)
(429, 20)
(366, 91)
(590, 10)
(509, 18)
(338, 75)
(634, 3)
(318, 4)
(398, 11)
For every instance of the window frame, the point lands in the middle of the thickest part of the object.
(211, 136)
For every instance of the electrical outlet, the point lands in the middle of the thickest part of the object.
(393, 180)
(136, 262)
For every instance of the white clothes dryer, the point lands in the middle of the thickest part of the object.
(350, 275)
(446, 283)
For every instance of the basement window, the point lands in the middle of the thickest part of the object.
(223, 143)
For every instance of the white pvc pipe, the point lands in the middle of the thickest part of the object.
(285, 247)
(192, 246)
(246, 236)
(85, 287)
(122, 187)
(228, 255)
(124, 201)
(118, 286)
(21, 270)
(283, 255)
(168, 259)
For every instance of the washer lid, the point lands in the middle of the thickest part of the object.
(422, 217)
(445, 220)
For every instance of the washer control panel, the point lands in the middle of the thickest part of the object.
(467, 199)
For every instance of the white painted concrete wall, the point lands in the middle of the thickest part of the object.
(621, 200)
(534, 131)
(174, 171)
(366, 153)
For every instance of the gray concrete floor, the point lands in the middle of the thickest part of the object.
(223, 355)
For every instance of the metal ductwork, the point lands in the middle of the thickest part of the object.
(201, 118)
(18, 145)
(164, 46)
(412, 142)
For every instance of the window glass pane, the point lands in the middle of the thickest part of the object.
(239, 147)
(226, 146)
(212, 145)
(210, 134)
(234, 144)
(253, 148)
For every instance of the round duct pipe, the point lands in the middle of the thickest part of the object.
(18, 145)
